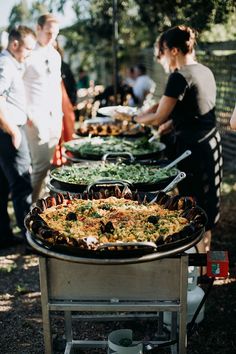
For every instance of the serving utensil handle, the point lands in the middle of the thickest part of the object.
(180, 158)
(107, 183)
(180, 176)
(177, 179)
(118, 154)
(155, 136)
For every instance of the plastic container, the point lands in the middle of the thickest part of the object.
(194, 296)
(121, 342)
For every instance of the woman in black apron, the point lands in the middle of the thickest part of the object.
(189, 103)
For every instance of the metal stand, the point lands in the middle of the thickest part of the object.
(143, 288)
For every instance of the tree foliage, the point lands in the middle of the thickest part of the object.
(139, 22)
(200, 14)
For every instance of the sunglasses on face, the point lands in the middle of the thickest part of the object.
(48, 70)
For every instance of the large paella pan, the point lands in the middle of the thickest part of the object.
(77, 177)
(151, 175)
(94, 148)
(98, 225)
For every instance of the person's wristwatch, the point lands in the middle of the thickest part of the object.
(132, 120)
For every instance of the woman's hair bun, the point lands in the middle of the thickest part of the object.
(190, 36)
(181, 37)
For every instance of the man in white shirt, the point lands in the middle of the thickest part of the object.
(42, 80)
(14, 154)
(143, 85)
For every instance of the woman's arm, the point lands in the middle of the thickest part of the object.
(233, 119)
(152, 109)
(164, 109)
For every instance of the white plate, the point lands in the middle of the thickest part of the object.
(112, 110)
(99, 120)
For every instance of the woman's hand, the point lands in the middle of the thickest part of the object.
(166, 127)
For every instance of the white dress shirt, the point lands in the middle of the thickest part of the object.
(42, 80)
(142, 86)
(12, 88)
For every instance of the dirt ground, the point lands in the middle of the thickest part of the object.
(20, 307)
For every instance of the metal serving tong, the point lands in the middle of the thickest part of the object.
(180, 176)
(180, 158)
(155, 136)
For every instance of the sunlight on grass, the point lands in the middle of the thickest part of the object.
(7, 265)
(6, 302)
(5, 306)
(33, 295)
(221, 281)
(229, 184)
(30, 261)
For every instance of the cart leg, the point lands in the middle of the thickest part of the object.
(182, 334)
(45, 310)
(68, 326)
(183, 307)
(47, 330)
(68, 349)
(174, 331)
(160, 324)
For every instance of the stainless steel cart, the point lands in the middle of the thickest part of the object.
(113, 286)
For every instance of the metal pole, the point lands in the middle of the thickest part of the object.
(114, 53)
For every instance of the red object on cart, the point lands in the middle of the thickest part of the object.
(217, 264)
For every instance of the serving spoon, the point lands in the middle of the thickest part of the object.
(180, 176)
(180, 158)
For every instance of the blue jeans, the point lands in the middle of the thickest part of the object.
(14, 179)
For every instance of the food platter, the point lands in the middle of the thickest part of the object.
(82, 217)
(95, 148)
(77, 177)
(107, 126)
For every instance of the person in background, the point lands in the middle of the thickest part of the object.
(233, 119)
(107, 97)
(42, 80)
(69, 99)
(67, 76)
(14, 154)
(189, 104)
(142, 86)
(130, 77)
(83, 81)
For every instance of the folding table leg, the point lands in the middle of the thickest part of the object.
(45, 310)
(68, 326)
